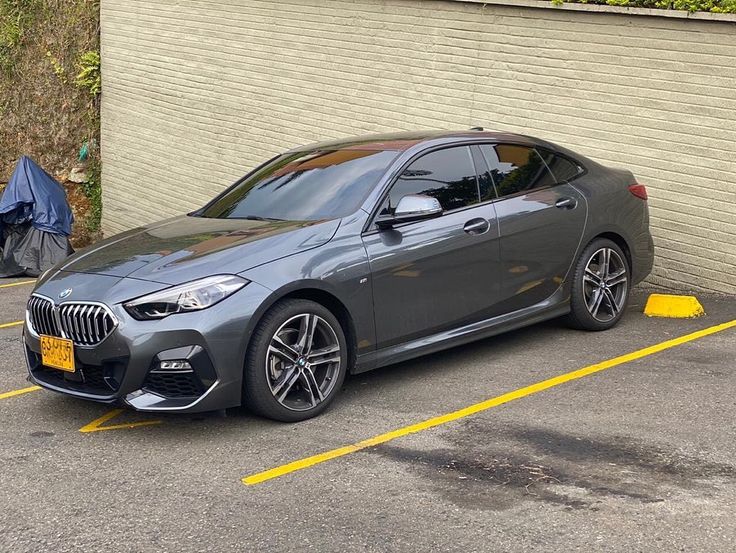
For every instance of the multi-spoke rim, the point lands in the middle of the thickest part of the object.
(605, 284)
(303, 362)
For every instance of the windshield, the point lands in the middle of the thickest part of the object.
(304, 186)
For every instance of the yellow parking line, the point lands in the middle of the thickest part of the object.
(6, 395)
(17, 284)
(96, 425)
(482, 406)
(9, 325)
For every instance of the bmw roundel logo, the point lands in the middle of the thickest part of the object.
(65, 293)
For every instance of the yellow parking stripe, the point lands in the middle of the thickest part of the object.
(6, 395)
(482, 406)
(96, 425)
(10, 325)
(17, 284)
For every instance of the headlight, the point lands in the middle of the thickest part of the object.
(193, 296)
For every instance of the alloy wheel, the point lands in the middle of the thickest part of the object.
(303, 362)
(605, 284)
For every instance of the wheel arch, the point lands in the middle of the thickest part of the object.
(621, 242)
(327, 299)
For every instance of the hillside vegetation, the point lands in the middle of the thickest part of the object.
(49, 96)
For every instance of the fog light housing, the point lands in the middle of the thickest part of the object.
(176, 365)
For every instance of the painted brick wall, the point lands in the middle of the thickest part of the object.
(197, 92)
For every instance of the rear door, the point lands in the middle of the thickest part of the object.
(541, 219)
(433, 275)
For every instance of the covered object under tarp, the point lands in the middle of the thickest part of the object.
(35, 222)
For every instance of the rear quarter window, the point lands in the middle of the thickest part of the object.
(516, 168)
(563, 168)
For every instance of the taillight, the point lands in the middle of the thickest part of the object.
(639, 190)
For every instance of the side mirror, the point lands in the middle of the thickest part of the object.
(413, 207)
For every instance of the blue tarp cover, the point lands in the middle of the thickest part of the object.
(32, 195)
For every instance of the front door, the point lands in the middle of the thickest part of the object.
(432, 275)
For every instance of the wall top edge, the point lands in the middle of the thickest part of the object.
(605, 9)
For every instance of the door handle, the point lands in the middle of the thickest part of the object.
(477, 226)
(566, 203)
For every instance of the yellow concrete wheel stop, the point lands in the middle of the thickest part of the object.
(666, 305)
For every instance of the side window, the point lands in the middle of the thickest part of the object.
(516, 168)
(448, 175)
(485, 181)
(563, 168)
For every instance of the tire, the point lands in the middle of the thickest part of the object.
(287, 376)
(600, 291)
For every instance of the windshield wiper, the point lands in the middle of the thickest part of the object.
(258, 218)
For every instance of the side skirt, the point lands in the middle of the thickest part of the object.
(551, 308)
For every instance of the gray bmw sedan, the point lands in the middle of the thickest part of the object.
(338, 258)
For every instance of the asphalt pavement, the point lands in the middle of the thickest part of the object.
(640, 456)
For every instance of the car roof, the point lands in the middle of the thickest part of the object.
(405, 140)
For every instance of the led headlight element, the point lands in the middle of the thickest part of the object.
(193, 296)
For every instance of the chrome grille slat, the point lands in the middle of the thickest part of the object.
(98, 311)
(42, 316)
(34, 310)
(37, 312)
(83, 323)
(65, 321)
(44, 320)
(51, 321)
(75, 322)
(79, 317)
(70, 324)
(86, 324)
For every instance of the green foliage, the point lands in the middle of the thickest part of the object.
(89, 76)
(16, 17)
(715, 6)
(57, 66)
(93, 190)
(727, 6)
(49, 95)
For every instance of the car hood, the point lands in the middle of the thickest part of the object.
(186, 248)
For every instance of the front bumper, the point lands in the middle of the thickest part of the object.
(125, 366)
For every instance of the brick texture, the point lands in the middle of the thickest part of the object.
(197, 92)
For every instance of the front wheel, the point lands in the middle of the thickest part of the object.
(296, 362)
(600, 289)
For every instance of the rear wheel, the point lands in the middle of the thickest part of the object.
(296, 362)
(600, 290)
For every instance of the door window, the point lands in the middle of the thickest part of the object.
(516, 168)
(485, 180)
(448, 175)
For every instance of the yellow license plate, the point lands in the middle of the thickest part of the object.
(58, 353)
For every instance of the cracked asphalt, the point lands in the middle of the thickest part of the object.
(639, 457)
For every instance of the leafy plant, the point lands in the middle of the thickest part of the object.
(89, 76)
(57, 66)
(16, 16)
(93, 190)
